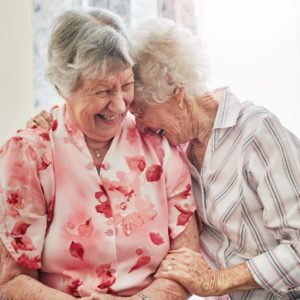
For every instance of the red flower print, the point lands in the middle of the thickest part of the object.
(107, 280)
(153, 173)
(184, 215)
(102, 195)
(131, 134)
(54, 125)
(102, 268)
(182, 210)
(124, 191)
(15, 200)
(17, 139)
(43, 163)
(20, 228)
(139, 251)
(73, 287)
(45, 136)
(104, 207)
(156, 238)
(87, 228)
(142, 261)
(186, 192)
(136, 163)
(31, 263)
(76, 250)
(104, 272)
(130, 220)
(22, 243)
(183, 218)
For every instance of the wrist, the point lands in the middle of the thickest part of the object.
(235, 279)
(222, 283)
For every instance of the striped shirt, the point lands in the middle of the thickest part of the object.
(248, 198)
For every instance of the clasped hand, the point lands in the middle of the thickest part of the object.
(190, 270)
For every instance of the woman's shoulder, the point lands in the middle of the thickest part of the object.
(34, 140)
(253, 113)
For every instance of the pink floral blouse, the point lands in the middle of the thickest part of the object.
(87, 232)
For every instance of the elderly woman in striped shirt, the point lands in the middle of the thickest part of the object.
(245, 167)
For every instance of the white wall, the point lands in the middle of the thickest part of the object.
(16, 68)
(254, 47)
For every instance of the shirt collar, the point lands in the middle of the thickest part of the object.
(228, 110)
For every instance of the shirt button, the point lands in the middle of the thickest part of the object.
(109, 232)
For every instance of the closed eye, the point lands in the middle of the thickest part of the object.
(127, 87)
(102, 93)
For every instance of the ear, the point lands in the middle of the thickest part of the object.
(179, 97)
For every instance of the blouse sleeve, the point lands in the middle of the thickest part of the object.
(23, 217)
(179, 190)
(275, 166)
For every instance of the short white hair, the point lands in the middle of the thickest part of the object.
(86, 44)
(167, 56)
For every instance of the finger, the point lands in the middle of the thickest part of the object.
(41, 122)
(175, 266)
(46, 116)
(30, 124)
(179, 276)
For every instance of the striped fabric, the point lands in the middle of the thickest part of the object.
(248, 198)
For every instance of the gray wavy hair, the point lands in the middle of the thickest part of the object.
(86, 44)
(167, 56)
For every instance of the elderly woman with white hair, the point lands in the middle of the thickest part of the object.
(245, 167)
(90, 208)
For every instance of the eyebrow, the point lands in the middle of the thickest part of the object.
(107, 84)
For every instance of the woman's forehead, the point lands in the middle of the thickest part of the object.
(121, 77)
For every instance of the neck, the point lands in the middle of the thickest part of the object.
(204, 110)
(96, 145)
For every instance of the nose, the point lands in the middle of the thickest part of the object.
(117, 103)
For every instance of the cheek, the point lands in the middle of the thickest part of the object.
(128, 98)
(85, 113)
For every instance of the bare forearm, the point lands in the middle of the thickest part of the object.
(24, 287)
(235, 279)
(164, 289)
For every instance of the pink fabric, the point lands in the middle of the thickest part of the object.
(87, 232)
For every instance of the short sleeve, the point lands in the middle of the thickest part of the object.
(23, 217)
(179, 189)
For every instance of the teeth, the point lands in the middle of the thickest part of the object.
(160, 132)
(108, 118)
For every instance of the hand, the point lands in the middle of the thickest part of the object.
(43, 120)
(190, 270)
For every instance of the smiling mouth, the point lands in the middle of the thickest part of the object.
(107, 118)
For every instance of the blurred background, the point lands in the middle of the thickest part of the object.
(253, 47)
